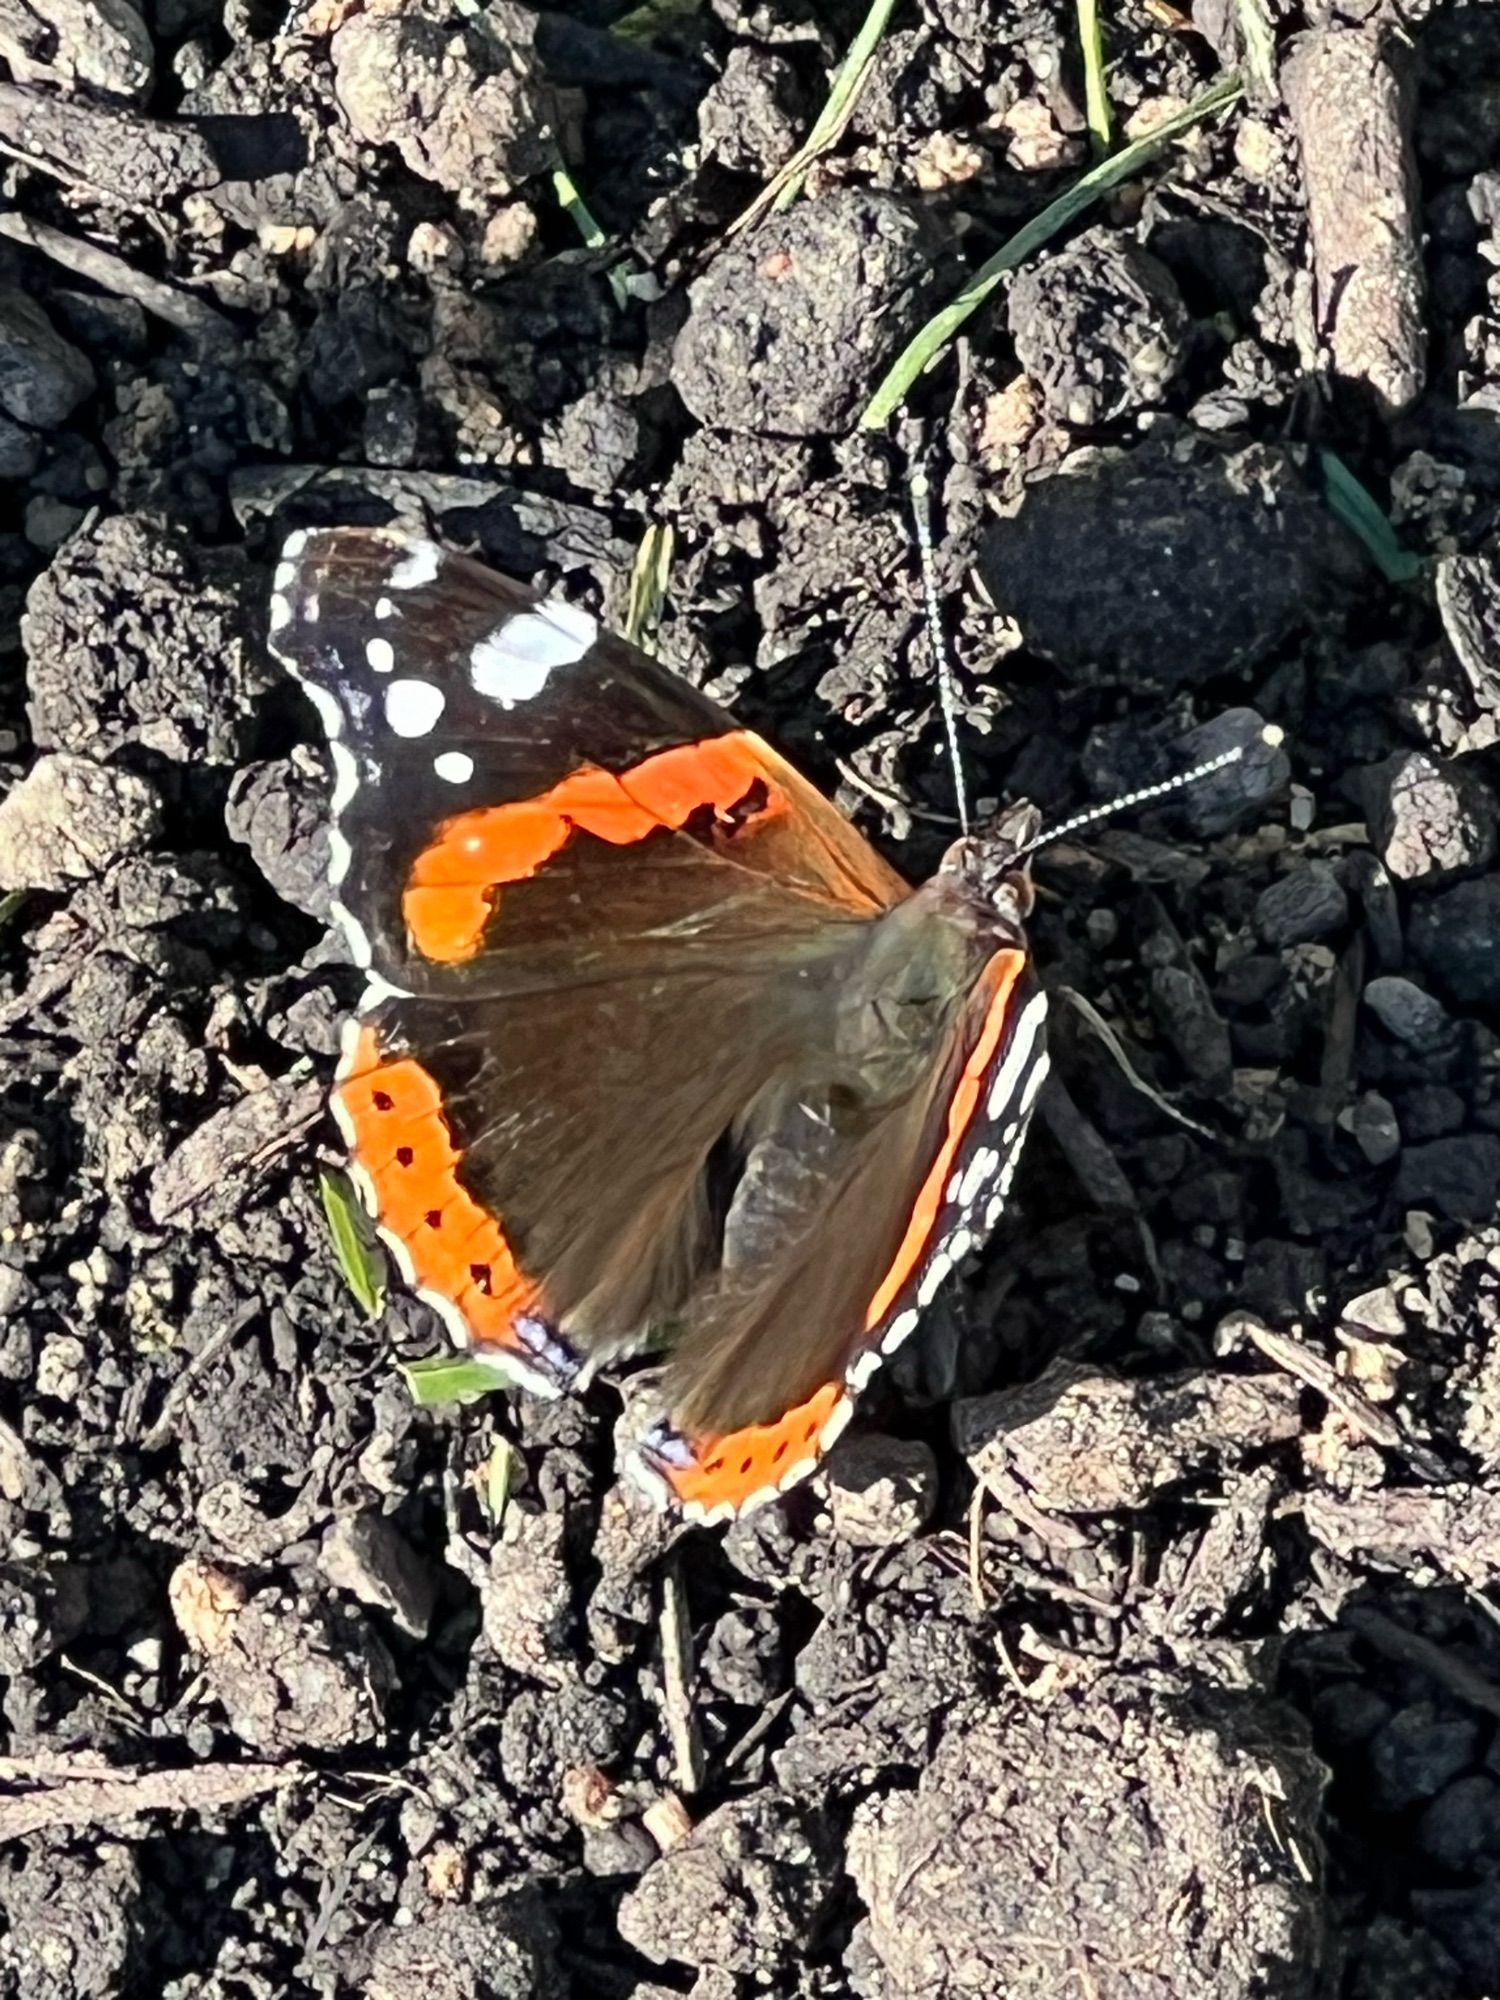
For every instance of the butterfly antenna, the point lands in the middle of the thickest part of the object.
(921, 507)
(1270, 736)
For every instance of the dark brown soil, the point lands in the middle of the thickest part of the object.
(1138, 1640)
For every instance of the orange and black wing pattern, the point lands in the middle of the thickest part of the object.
(604, 1083)
(556, 861)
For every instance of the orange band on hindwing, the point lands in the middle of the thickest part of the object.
(451, 896)
(392, 1112)
(1005, 968)
(713, 1476)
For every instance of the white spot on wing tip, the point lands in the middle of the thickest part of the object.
(455, 767)
(383, 607)
(514, 662)
(965, 1185)
(381, 655)
(413, 708)
(1037, 1078)
(280, 612)
(294, 544)
(1013, 1065)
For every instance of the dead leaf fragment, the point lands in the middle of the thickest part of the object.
(205, 1603)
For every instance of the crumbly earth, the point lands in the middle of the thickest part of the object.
(1141, 1637)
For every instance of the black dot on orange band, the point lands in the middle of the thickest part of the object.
(810, 1433)
(382, 1100)
(434, 1218)
(746, 1466)
(714, 1465)
(480, 1273)
(779, 1453)
(405, 1155)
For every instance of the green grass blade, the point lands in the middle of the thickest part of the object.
(648, 585)
(1095, 95)
(497, 1476)
(1258, 33)
(854, 73)
(570, 200)
(358, 1256)
(1363, 516)
(923, 350)
(656, 17)
(453, 1378)
(848, 86)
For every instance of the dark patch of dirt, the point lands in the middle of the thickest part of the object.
(1140, 1640)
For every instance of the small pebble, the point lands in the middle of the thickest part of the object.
(1306, 904)
(881, 1490)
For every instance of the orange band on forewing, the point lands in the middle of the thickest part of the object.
(402, 1140)
(450, 893)
(752, 1463)
(1004, 969)
(717, 772)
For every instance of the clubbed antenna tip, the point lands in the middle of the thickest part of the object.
(1271, 736)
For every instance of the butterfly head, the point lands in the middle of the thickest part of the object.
(993, 865)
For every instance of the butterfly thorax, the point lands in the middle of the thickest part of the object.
(917, 965)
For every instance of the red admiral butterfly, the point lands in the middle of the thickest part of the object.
(653, 1041)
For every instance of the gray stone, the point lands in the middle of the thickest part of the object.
(881, 1490)
(43, 378)
(1407, 1011)
(1429, 818)
(1169, 564)
(1307, 903)
(69, 819)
